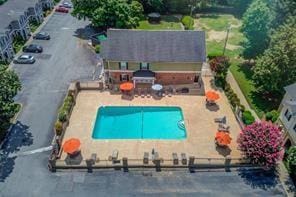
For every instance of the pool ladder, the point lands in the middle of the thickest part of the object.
(181, 124)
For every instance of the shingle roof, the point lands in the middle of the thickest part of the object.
(12, 10)
(154, 46)
(291, 90)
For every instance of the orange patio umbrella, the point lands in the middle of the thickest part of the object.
(223, 138)
(71, 145)
(212, 95)
(127, 86)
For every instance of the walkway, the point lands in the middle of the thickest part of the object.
(231, 80)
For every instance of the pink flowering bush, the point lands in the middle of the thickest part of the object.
(262, 143)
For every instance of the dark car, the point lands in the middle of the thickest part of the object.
(33, 48)
(62, 9)
(66, 5)
(41, 36)
(24, 59)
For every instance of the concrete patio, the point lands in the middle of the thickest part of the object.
(199, 122)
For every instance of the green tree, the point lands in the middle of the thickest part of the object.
(277, 67)
(291, 159)
(256, 25)
(109, 13)
(9, 86)
(152, 5)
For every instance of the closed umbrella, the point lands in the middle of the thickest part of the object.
(157, 87)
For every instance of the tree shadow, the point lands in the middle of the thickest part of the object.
(246, 69)
(263, 102)
(18, 137)
(259, 178)
(84, 33)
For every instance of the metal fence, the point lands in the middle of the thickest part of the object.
(191, 163)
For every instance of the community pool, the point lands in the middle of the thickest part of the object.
(141, 122)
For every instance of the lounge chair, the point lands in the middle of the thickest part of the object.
(136, 92)
(221, 120)
(175, 159)
(114, 155)
(184, 158)
(146, 158)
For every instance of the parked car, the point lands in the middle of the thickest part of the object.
(33, 48)
(62, 9)
(66, 5)
(41, 36)
(24, 59)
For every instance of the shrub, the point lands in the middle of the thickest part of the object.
(188, 22)
(291, 159)
(58, 128)
(262, 143)
(97, 48)
(272, 116)
(248, 118)
(219, 65)
(242, 107)
(62, 116)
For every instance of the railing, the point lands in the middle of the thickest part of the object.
(191, 163)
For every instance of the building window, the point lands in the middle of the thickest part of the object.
(124, 77)
(294, 128)
(288, 115)
(123, 66)
(144, 66)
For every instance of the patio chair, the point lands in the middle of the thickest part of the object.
(148, 93)
(136, 92)
(175, 159)
(170, 91)
(221, 120)
(143, 93)
(223, 127)
(183, 158)
(146, 158)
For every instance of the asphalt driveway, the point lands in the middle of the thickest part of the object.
(67, 58)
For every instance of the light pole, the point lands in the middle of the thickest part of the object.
(191, 10)
(226, 39)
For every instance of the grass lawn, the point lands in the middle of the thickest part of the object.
(243, 75)
(167, 22)
(215, 26)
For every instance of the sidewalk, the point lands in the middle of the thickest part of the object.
(283, 173)
(231, 80)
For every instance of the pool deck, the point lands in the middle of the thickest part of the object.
(199, 122)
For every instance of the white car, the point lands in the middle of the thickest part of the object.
(66, 5)
(24, 59)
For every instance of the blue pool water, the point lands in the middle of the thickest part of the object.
(145, 122)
